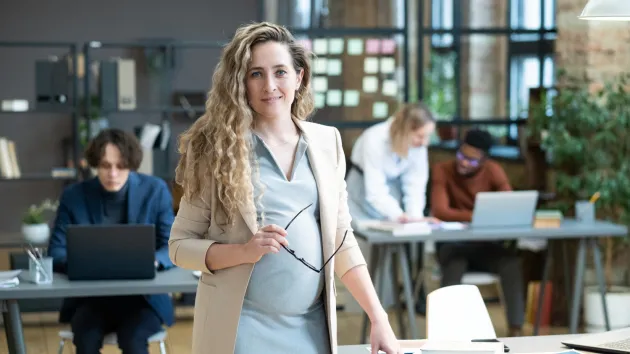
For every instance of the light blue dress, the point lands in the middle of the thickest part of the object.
(283, 310)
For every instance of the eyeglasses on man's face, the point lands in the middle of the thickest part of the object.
(472, 162)
(302, 260)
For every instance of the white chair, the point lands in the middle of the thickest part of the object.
(111, 339)
(458, 312)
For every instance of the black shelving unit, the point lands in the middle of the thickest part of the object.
(165, 109)
(73, 110)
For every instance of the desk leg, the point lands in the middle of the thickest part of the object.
(397, 303)
(541, 291)
(374, 273)
(601, 279)
(580, 265)
(567, 283)
(408, 289)
(13, 327)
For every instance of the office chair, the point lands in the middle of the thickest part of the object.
(111, 339)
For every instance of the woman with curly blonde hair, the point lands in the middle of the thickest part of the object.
(264, 214)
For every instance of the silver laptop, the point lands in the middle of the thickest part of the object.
(504, 209)
(617, 341)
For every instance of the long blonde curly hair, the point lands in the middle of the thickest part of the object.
(216, 150)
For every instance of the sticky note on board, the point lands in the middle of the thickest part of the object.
(320, 46)
(380, 110)
(388, 65)
(320, 84)
(388, 46)
(370, 84)
(306, 43)
(355, 46)
(370, 65)
(320, 66)
(351, 98)
(372, 46)
(333, 98)
(320, 100)
(335, 46)
(390, 88)
(334, 67)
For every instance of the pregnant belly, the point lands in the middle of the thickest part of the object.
(281, 284)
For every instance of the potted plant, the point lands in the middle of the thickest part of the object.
(35, 228)
(585, 133)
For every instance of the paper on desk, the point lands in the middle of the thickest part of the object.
(403, 351)
(9, 279)
(445, 225)
(397, 229)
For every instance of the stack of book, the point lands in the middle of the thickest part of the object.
(547, 219)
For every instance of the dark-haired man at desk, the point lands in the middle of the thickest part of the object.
(116, 196)
(453, 189)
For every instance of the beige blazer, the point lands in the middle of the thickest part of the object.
(220, 294)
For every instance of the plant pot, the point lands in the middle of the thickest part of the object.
(617, 300)
(37, 234)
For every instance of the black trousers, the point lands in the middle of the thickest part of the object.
(458, 258)
(130, 317)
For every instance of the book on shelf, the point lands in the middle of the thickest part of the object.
(533, 291)
(9, 167)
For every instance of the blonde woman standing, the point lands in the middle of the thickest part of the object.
(264, 214)
(390, 167)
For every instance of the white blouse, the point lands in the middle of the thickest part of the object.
(373, 153)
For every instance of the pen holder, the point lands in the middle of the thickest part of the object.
(41, 273)
(584, 211)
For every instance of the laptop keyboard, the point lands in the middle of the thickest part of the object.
(623, 344)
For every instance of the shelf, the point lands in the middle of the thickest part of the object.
(37, 177)
(148, 110)
(34, 111)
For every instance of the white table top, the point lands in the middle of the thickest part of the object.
(517, 345)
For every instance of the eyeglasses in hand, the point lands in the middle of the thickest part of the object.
(302, 260)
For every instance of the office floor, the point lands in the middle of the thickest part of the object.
(40, 331)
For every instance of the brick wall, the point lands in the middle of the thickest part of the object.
(594, 50)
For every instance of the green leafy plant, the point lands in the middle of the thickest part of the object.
(585, 133)
(439, 86)
(35, 213)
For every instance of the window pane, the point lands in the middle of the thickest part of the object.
(525, 72)
(550, 14)
(439, 91)
(483, 70)
(483, 13)
(442, 18)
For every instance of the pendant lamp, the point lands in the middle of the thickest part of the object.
(606, 10)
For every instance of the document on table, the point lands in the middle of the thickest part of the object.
(403, 351)
(397, 229)
(408, 229)
(9, 279)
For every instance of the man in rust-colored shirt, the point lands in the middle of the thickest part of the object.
(454, 185)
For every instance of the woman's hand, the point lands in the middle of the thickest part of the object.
(267, 240)
(382, 338)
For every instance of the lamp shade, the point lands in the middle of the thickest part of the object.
(606, 10)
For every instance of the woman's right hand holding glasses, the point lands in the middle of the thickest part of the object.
(269, 239)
